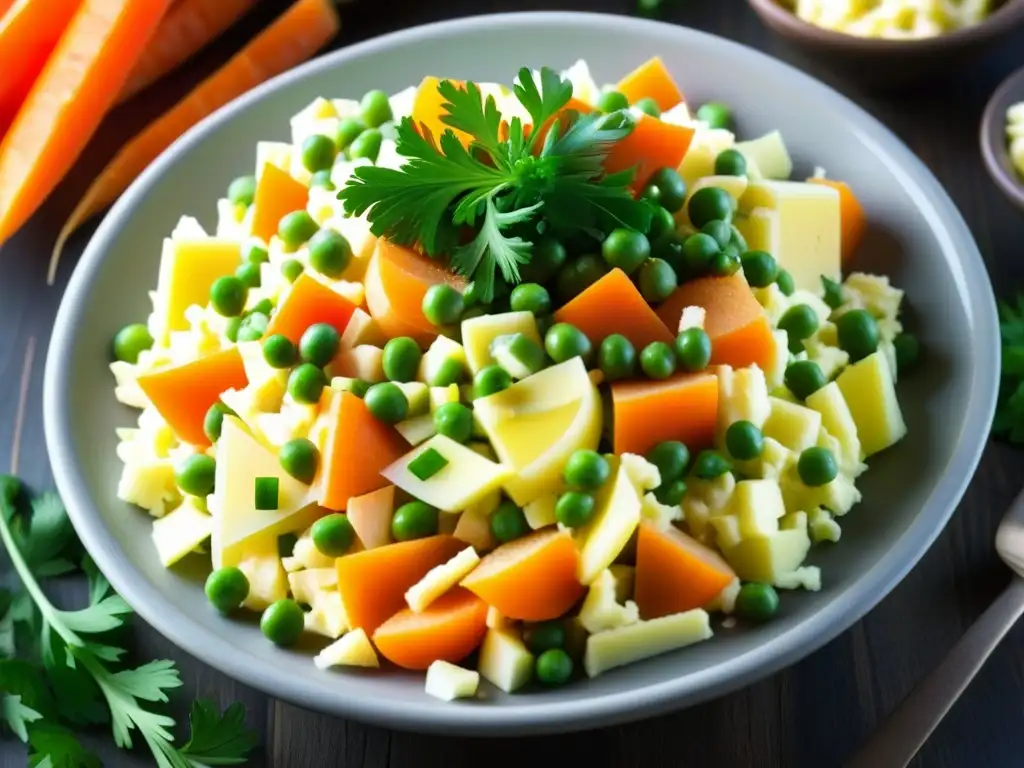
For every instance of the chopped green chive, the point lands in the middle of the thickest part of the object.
(427, 464)
(267, 493)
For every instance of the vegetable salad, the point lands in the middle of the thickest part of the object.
(541, 377)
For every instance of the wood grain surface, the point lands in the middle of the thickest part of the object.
(810, 716)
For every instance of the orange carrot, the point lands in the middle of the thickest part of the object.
(358, 447)
(449, 629)
(651, 81)
(614, 305)
(28, 34)
(185, 393)
(533, 578)
(652, 145)
(373, 582)
(308, 301)
(292, 38)
(187, 28)
(70, 97)
(737, 325)
(852, 220)
(427, 112)
(675, 572)
(277, 194)
(683, 407)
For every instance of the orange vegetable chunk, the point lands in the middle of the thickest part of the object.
(370, 515)
(307, 302)
(396, 280)
(737, 325)
(427, 110)
(651, 80)
(277, 194)
(449, 629)
(614, 305)
(683, 407)
(357, 448)
(652, 145)
(373, 583)
(852, 219)
(533, 578)
(675, 572)
(185, 393)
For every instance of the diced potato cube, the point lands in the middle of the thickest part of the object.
(352, 650)
(870, 393)
(504, 660)
(601, 610)
(822, 526)
(742, 396)
(327, 616)
(364, 362)
(805, 577)
(479, 332)
(643, 474)
(443, 395)
(758, 506)
(774, 459)
(440, 579)
(448, 682)
(306, 583)
(794, 426)
(765, 558)
(418, 429)
(181, 531)
(625, 645)
(540, 512)
(661, 515)
(267, 581)
(838, 421)
(703, 500)
(605, 536)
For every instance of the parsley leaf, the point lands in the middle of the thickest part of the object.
(490, 248)
(1009, 419)
(55, 747)
(215, 738)
(16, 715)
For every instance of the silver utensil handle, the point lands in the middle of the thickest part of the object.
(895, 742)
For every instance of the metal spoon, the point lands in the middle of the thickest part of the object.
(901, 735)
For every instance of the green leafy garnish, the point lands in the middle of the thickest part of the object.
(1009, 420)
(58, 667)
(504, 188)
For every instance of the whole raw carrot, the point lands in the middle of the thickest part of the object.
(81, 79)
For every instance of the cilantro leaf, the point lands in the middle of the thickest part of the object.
(55, 747)
(17, 716)
(215, 738)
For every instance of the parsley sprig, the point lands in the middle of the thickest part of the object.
(1009, 420)
(506, 185)
(59, 668)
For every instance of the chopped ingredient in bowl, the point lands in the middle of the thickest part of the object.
(893, 19)
(1015, 136)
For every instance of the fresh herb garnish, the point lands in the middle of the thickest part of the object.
(1009, 421)
(58, 668)
(508, 183)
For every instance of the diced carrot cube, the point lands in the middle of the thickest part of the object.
(683, 407)
(307, 302)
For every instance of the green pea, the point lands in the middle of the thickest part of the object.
(564, 341)
(662, 223)
(296, 228)
(415, 520)
(726, 262)
(531, 297)
(858, 333)
(648, 106)
(699, 251)
(554, 667)
(232, 328)
(817, 466)
(131, 341)
(242, 191)
(508, 522)
(785, 282)
(227, 296)
(744, 441)
(195, 475)
(256, 254)
(708, 204)
(318, 152)
(375, 109)
(454, 421)
(760, 268)
(322, 180)
(657, 360)
(252, 326)
(366, 145)
(282, 622)
(471, 296)
(387, 402)
(348, 129)
(279, 352)
(491, 380)
(263, 306)
(544, 636)
(736, 240)
(671, 458)
(299, 457)
(547, 257)
(291, 269)
(226, 589)
(804, 378)
(329, 253)
(305, 383)
(799, 322)
(908, 351)
(715, 114)
(586, 470)
(616, 357)
(442, 304)
(832, 293)
(657, 281)
(319, 344)
(757, 602)
(671, 493)
(626, 249)
(720, 230)
(710, 464)
(333, 535)
(574, 509)
(213, 422)
(693, 348)
(667, 188)
(730, 162)
(249, 275)
(401, 359)
(578, 275)
(612, 101)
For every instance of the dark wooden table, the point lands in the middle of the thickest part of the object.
(813, 714)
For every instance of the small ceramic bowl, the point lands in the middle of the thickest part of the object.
(994, 148)
(893, 64)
